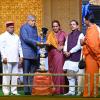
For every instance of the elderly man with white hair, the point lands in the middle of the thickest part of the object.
(29, 38)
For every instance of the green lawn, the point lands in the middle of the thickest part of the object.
(20, 91)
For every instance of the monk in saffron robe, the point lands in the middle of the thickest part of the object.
(56, 41)
(91, 51)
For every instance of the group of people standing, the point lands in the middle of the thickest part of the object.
(64, 53)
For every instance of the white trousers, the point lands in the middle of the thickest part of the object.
(9, 68)
(72, 81)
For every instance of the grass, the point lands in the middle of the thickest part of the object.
(21, 92)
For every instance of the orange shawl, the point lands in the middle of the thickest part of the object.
(51, 39)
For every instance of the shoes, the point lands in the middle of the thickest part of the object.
(69, 94)
(78, 94)
(27, 93)
(15, 94)
(6, 94)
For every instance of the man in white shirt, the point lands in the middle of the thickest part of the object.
(11, 53)
(72, 50)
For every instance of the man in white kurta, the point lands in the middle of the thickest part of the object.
(71, 64)
(12, 55)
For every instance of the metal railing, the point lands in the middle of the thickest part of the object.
(49, 74)
(95, 83)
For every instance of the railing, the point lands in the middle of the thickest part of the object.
(95, 83)
(48, 74)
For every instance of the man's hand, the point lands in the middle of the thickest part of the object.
(67, 54)
(5, 60)
(82, 42)
(38, 43)
(20, 60)
(48, 44)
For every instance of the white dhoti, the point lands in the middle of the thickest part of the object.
(72, 81)
(10, 68)
(72, 68)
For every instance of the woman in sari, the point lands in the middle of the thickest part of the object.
(56, 40)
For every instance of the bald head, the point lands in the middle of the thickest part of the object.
(31, 19)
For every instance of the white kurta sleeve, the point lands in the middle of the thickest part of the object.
(65, 45)
(78, 46)
(3, 47)
(20, 49)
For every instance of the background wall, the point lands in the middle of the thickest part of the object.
(62, 10)
(17, 10)
(45, 11)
